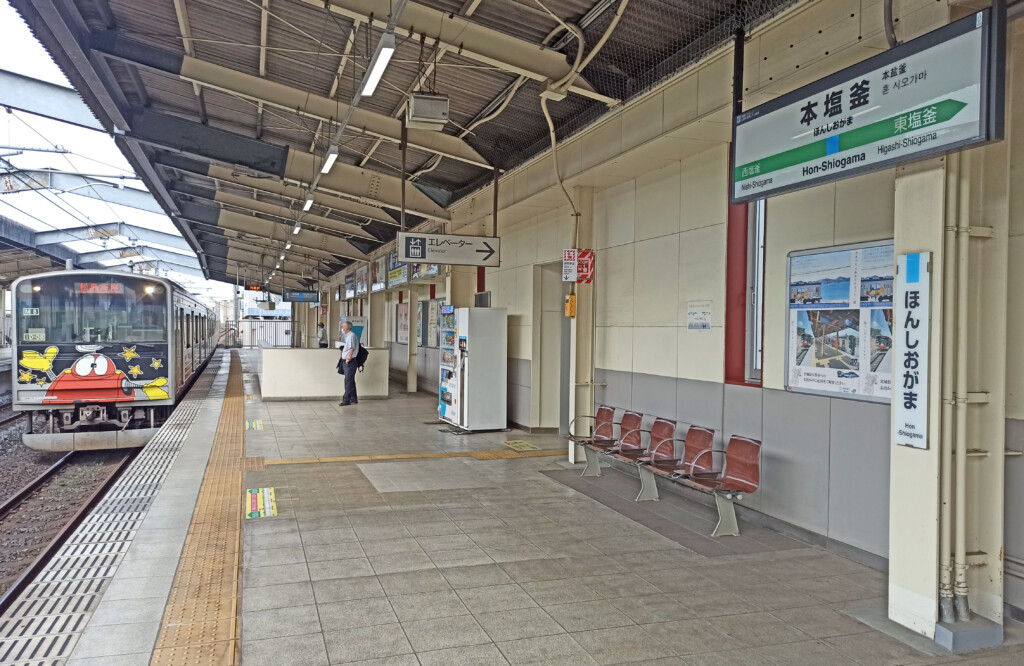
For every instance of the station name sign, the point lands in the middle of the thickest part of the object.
(939, 92)
(448, 249)
(291, 296)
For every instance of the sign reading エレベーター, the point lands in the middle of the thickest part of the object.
(927, 96)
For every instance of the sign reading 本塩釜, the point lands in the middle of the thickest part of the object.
(840, 321)
(928, 96)
(910, 347)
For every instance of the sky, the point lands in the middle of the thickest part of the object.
(90, 152)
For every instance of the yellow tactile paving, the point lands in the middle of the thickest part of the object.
(200, 624)
(479, 455)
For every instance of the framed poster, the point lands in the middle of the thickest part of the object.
(839, 321)
(402, 323)
(361, 280)
(379, 274)
(433, 339)
(421, 328)
(350, 286)
(398, 273)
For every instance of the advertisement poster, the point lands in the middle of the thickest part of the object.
(420, 327)
(840, 320)
(698, 316)
(398, 273)
(361, 280)
(379, 274)
(350, 286)
(359, 327)
(432, 316)
(420, 271)
(402, 323)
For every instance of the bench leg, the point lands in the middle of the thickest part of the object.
(648, 487)
(727, 525)
(593, 467)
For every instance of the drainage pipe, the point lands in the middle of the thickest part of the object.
(946, 613)
(960, 590)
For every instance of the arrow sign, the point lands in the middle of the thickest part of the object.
(416, 248)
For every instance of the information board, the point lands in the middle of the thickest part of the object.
(449, 249)
(933, 94)
(350, 285)
(402, 323)
(362, 274)
(291, 296)
(839, 321)
(398, 273)
(379, 274)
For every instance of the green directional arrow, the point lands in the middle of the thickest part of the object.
(925, 116)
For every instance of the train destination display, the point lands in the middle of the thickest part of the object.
(928, 96)
(840, 321)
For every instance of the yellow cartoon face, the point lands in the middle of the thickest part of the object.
(33, 360)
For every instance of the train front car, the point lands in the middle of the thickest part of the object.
(92, 352)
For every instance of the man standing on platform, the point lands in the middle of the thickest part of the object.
(321, 336)
(349, 349)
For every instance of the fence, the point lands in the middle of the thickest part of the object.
(258, 333)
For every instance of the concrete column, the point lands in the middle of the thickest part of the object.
(411, 371)
(375, 317)
(585, 320)
(461, 285)
(919, 218)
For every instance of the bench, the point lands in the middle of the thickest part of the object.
(738, 473)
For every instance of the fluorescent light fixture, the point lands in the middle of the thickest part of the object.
(278, 265)
(298, 228)
(332, 156)
(288, 245)
(380, 61)
(309, 203)
(281, 257)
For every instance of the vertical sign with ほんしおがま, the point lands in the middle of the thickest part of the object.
(911, 327)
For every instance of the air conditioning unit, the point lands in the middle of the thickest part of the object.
(427, 112)
(266, 305)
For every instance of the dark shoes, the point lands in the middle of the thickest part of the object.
(346, 404)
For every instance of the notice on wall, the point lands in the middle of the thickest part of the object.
(398, 273)
(362, 274)
(698, 316)
(420, 323)
(432, 316)
(910, 346)
(379, 274)
(840, 321)
(402, 323)
(350, 285)
(570, 264)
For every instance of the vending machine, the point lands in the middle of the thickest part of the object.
(474, 368)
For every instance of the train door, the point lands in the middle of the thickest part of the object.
(179, 368)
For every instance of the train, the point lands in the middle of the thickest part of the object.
(805, 293)
(105, 354)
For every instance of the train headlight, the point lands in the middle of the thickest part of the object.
(37, 288)
(149, 289)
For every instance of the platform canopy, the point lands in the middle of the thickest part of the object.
(228, 110)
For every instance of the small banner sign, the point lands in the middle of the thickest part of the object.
(911, 323)
(260, 503)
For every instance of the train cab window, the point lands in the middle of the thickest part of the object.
(84, 309)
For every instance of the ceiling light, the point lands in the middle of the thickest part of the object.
(298, 228)
(332, 156)
(281, 257)
(288, 245)
(385, 49)
(278, 265)
(309, 203)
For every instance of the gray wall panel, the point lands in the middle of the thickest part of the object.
(742, 411)
(519, 404)
(794, 460)
(700, 403)
(654, 396)
(519, 371)
(428, 369)
(1013, 520)
(859, 475)
(399, 356)
(617, 390)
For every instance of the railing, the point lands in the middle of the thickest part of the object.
(254, 333)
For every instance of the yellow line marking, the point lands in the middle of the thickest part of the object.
(479, 455)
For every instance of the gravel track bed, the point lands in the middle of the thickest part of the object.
(27, 529)
(18, 463)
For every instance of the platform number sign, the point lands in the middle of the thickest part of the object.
(911, 323)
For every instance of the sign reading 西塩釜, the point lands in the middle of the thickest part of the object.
(936, 93)
(910, 347)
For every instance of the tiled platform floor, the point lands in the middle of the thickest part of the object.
(464, 561)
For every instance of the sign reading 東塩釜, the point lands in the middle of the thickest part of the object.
(448, 249)
(930, 95)
(912, 324)
(292, 296)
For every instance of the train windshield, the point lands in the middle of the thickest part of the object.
(91, 309)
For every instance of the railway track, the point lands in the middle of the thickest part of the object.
(11, 419)
(37, 499)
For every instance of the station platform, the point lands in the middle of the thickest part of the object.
(387, 541)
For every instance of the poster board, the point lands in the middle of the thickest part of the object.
(402, 323)
(698, 316)
(362, 274)
(398, 273)
(839, 319)
(379, 274)
(350, 286)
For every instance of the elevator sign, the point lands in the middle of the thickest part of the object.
(931, 95)
(911, 326)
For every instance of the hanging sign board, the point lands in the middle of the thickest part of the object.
(939, 92)
(910, 347)
(840, 321)
(451, 250)
(350, 285)
(291, 296)
(570, 265)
